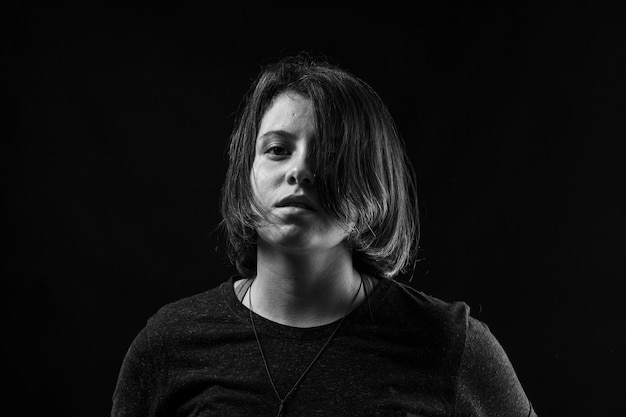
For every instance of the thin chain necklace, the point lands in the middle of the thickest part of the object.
(284, 399)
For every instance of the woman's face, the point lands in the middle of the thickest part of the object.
(283, 181)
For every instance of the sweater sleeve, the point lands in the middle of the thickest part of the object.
(487, 384)
(136, 392)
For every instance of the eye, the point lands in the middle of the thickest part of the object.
(277, 150)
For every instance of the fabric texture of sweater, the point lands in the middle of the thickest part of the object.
(400, 353)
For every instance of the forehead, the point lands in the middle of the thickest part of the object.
(290, 112)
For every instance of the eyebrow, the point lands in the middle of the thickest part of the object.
(282, 133)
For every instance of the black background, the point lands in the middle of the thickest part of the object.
(113, 158)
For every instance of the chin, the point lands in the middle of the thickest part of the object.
(289, 242)
(296, 240)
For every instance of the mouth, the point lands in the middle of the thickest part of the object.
(297, 205)
(296, 202)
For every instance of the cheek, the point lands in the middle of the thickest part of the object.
(261, 182)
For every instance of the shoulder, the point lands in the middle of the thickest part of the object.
(486, 379)
(415, 308)
(187, 312)
(417, 321)
(176, 323)
(486, 383)
(147, 362)
(172, 322)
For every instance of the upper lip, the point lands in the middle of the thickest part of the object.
(296, 201)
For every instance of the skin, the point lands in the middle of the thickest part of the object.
(305, 275)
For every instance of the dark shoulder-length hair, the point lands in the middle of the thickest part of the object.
(363, 176)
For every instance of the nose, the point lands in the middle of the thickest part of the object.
(301, 173)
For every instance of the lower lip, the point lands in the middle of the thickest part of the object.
(295, 209)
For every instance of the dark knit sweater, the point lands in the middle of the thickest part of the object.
(401, 353)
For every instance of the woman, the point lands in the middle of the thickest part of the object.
(320, 214)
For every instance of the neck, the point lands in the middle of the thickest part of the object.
(304, 289)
